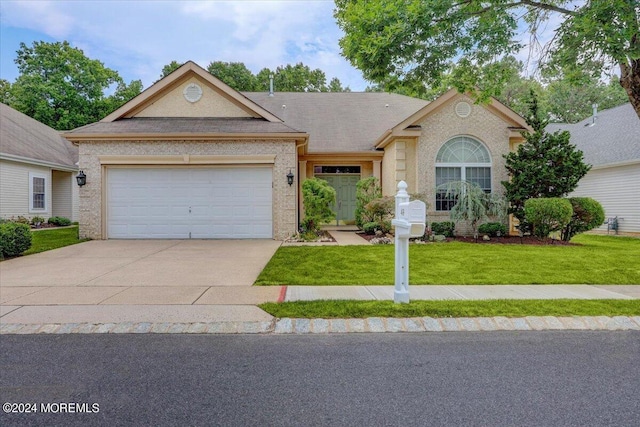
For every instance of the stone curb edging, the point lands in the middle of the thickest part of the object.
(339, 326)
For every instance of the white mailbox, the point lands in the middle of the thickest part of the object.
(414, 213)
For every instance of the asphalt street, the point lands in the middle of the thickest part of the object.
(430, 379)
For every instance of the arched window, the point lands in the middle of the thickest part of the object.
(461, 159)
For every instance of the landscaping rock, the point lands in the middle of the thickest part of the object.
(439, 238)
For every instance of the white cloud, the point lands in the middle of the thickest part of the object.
(138, 38)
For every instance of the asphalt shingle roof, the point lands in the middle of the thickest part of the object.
(22, 136)
(339, 121)
(614, 138)
(150, 125)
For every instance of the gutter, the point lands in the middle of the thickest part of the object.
(36, 162)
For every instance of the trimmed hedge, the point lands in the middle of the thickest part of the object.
(493, 229)
(15, 238)
(587, 215)
(547, 215)
(446, 228)
(60, 221)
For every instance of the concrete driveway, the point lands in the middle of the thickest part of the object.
(121, 276)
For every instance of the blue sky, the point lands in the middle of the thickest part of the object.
(137, 38)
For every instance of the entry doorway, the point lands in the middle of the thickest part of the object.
(343, 179)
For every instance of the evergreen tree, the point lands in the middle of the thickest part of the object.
(546, 165)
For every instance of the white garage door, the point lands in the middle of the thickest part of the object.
(184, 203)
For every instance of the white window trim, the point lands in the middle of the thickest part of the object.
(463, 166)
(46, 183)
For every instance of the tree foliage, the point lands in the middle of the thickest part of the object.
(548, 214)
(235, 74)
(318, 197)
(587, 215)
(412, 43)
(170, 68)
(473, 204)
(367, 189)
(62, 88)
(546, 165)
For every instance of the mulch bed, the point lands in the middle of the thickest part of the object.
(504, 240)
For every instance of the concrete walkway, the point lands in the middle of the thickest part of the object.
(464, 292)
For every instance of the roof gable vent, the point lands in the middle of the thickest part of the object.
(463, 109)
(192, 92)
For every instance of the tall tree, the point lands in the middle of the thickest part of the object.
(5, 92)
(546, 165)
(170, 68)
(62, 88)
(293, 78)
(235, 74)
(413, 41)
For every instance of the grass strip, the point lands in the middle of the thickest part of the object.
(344, 309)
(596, 260)
(46, 240)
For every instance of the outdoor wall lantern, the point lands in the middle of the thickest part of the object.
(290, 178)
(81, 178)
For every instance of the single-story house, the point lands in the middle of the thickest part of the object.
(610, 141)
(192, 158)
(37, 169)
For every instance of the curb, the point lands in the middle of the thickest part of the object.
(339, 326)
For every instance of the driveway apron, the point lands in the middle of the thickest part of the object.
(138, 274)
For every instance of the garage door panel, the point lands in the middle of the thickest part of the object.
(189, 202)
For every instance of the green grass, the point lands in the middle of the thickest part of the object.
(596, 260)
(54, 238)
(341, 309)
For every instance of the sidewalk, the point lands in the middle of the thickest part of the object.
(224, 317)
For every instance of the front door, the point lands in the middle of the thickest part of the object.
(345, 186)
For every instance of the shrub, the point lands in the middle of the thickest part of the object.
(547, 215)
(60, 221)
(318, 196)
(379, 212)
(493, 229)
(37, 220)
(587, 215)
(445, 228)
(15, 238)
(367, 189)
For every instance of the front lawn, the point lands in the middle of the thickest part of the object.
(45, 240)
(597, 260)
(341, 309)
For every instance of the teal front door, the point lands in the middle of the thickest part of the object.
(345, 186)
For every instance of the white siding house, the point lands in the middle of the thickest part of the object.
(610, 142)
(37, 169)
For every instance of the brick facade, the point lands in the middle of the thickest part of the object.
(92, 197)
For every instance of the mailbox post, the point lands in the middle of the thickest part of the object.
(409, 222)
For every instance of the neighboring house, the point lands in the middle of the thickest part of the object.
(192, 158)
(610, 142)
(37, 169)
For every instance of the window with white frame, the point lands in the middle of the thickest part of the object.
(461, 159)
(37, 192)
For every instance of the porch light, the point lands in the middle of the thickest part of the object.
(290, 178)
(81, 178)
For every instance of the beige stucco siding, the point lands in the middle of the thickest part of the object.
(174, 104)
(92, 209)
(14, 187)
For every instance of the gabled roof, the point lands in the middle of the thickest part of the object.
(25, 139)
(339, 121)
(614, 137)
(409, 124)
(168, 128)
(187, 70)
